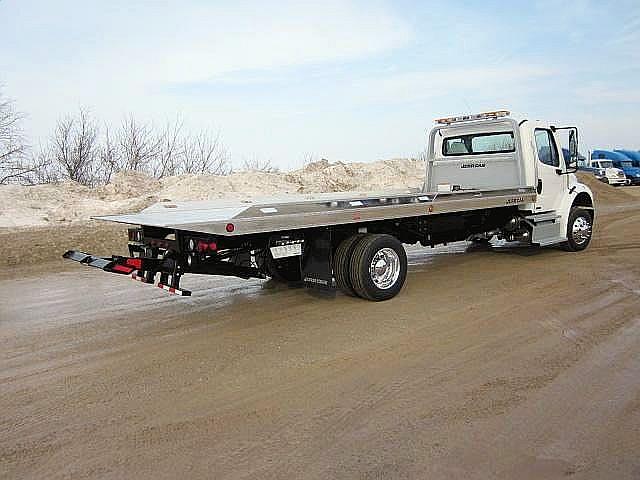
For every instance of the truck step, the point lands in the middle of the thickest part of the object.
(550, 216)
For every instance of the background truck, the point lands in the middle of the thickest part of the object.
(487, 175)
(634, 156)
(604, 171)
(626, 164)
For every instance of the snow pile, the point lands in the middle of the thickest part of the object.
(323, 176)
(60, 204)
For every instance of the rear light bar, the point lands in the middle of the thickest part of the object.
(470, 118)
(201, 245)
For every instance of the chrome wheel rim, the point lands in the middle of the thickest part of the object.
(581, 230)
(385, 268)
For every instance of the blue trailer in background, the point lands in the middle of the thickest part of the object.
(629, 166)
(632, 154)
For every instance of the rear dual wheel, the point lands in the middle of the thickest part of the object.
(342, 264)
(372, 266)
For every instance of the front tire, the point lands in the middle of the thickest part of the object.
(579, 229)
(378, 267)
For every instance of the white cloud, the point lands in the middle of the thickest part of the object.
(116, 57)
(599, 93)
(203, 42)
(422, 85)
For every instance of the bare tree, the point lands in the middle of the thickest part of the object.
(205, 153)
(254, 163)
(309, 158)
(110, 159)
(421, 156)
(43, 167)
(139, 146)
(14, 166)
(74, 147)
(170, 149)
(81, 151)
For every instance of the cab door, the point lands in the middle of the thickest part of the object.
(550, 165)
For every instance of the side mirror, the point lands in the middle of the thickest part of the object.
(574, 156)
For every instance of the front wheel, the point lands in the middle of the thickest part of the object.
(378, 267)
(579, 229)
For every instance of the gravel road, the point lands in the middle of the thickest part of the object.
(489, 364)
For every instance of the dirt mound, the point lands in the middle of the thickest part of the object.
(605, 193)
(66, 202)
(128, 184)
(322, 176)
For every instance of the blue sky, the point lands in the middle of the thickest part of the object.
(343, 80)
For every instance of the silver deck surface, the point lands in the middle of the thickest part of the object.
(306, 211)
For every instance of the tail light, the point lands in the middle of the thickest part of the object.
(201, 245)
(122, 269)
(134, 262)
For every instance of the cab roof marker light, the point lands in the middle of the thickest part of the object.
(470, 118)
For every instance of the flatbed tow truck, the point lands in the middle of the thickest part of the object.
(487, 176)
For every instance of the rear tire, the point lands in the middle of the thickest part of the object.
(579, 230)
(342, 264)
(378, 267)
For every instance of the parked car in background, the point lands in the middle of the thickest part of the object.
(620, 161)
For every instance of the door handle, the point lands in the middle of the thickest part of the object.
(539, 189)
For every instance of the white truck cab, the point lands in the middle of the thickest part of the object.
(604, 171)
(493, 150)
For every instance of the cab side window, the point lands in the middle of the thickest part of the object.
(547, 151)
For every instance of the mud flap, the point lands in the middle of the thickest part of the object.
(316, 267)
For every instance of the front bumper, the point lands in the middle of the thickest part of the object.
(615, 180)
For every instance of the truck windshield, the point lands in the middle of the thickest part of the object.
(604, 164)
(625, 164)
(479, 143)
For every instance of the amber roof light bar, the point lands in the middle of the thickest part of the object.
(471, 118)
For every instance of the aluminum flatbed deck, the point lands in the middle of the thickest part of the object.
(308, 211)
